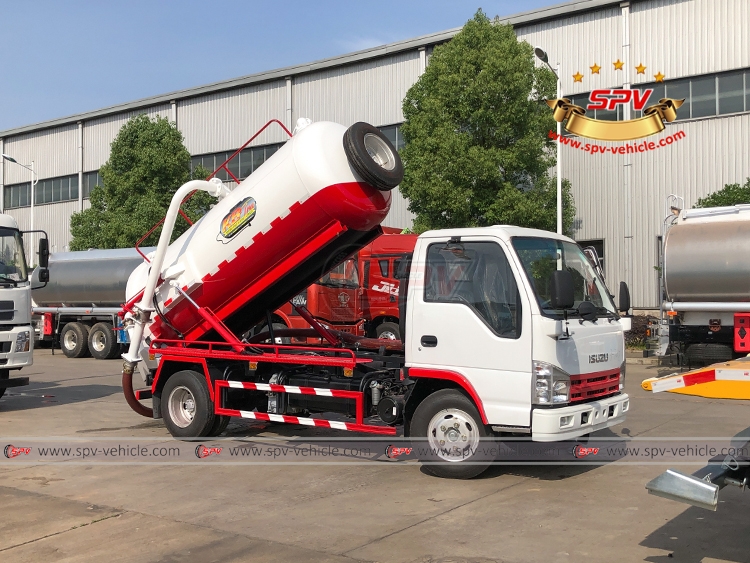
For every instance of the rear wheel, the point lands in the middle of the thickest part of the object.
(448, 425)
(186, 405)
(74, 340)
(102, 342)
(388, 331)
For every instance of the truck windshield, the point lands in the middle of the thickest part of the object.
(343, 275)
(12, 260)
(540, 257)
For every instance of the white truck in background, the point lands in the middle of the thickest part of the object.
(705, 284)
(16, 333)
(78, 309)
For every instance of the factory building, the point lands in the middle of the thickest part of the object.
(696, 50)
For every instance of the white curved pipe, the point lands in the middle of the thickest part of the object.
(215, 188)
(708, 306)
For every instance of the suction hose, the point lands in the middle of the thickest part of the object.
(127, 390)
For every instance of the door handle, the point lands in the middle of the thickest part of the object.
(429, 341)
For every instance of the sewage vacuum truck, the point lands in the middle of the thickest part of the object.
(504, 329)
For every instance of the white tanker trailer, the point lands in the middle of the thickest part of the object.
(706, 285)
(505, 330)
(79, 306)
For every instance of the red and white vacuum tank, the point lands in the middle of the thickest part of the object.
(317, 200)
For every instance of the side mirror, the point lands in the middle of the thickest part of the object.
(43, 255)
(587, 311)
(624, 304)
(43, 275)
(404, 265)
(561, 290)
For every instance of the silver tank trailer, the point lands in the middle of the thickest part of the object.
(708, 261)
(89, 278)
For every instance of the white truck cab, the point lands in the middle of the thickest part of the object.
(481, 310)
(16, 332)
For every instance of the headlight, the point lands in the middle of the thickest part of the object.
(551, 385)
(23, 341)
(622, 374)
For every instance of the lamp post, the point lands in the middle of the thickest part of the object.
(542, 56)
(34, 180)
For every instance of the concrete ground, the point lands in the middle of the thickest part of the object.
(376, 512)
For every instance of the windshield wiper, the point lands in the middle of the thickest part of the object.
(7, 279)
(609, 314)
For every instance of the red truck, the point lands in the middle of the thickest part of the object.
(359, 296)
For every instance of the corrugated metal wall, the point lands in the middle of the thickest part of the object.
(98, 134)
(370, 91)
(226, 120)
(577, 43)
(689, 37)
(53, 218)
(54, 152)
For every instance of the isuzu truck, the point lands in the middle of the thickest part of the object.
(504, 330)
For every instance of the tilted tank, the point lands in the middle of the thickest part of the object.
(318, 199)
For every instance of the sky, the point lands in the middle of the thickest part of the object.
(61, 57)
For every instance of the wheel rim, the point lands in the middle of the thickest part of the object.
(181, 406)
(388, 335)
(379, 151)
(453, 434)
(70, 341)
(98, 341)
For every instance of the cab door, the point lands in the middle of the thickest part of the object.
(469, 314)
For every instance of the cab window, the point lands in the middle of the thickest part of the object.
(476, 275)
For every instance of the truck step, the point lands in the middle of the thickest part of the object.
(14, 382)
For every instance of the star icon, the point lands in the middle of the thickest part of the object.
(595, 69)
(578, 77)
(618, 64)
(659, 77)
(641, 69)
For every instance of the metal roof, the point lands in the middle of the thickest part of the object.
(524, 18)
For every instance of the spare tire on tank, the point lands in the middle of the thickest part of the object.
(373, 156)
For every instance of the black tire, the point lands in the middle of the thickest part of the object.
(430, 409)
(74, 340)
(182, 387)
(102, 342)
(363, 144)
(220, 424)
(385, 330)
(4, 374)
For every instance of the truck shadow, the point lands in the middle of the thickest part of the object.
(698, 535)
(42, 395)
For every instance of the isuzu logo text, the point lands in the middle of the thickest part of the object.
(610, 99)
(598, 358)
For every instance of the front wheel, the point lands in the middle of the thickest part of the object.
(449, 430)
(186, 405)
(4, 374)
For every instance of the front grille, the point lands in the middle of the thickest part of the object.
(6, 310)
(5, 347)
(589, 386)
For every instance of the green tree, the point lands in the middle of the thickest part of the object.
(147, 163)
(476, 129)
(730, 194)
